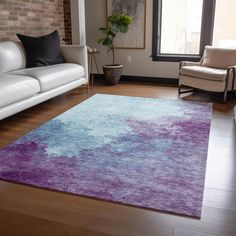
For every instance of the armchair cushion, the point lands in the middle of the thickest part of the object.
(204, 72)
(189, 63)
(220, 58)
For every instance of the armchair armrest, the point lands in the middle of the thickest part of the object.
(76, 54)
(189, 63)
(231, 69)
(231, 72)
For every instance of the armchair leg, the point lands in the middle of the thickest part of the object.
(226, 86)
(225, 95)
(179, 90)
(190, 90)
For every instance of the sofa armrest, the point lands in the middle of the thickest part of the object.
(76, 54)
(189, 63)
(232, 68)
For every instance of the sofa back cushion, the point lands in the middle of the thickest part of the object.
(42, 51)
(12, 57)
(220, 58)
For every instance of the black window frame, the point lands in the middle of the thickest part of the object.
(208, 14)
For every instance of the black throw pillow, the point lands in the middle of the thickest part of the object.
(42, 51)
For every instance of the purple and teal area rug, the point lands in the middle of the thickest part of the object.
(143, 152)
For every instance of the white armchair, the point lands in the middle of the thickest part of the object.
(215, 72)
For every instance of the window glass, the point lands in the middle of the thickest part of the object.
(181, 26)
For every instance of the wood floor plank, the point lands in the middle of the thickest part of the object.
(221, 199)
(184, 232)
(31, 211)
(34, 226)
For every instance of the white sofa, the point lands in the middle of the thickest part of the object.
(21, 88)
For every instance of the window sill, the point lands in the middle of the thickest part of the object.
(176, 58)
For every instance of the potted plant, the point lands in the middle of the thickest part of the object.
(117, 23)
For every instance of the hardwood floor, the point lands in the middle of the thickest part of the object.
(29, 211)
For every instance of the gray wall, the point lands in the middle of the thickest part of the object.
(142, 64)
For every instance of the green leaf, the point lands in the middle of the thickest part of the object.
(127, 19)
(100, 40)
(124, 29)
(113, 18)
(111, 33)
(107, 42)
(102, 29)
(115, 28)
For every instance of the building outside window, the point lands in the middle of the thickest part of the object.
(224, 34)
(182, 28)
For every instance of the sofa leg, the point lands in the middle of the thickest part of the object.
(87, 89)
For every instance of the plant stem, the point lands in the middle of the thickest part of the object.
(113, 52)
(113, 56)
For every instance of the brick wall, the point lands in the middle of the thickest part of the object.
(67, 21)
(34, 17)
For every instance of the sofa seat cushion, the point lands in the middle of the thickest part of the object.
(50, 77)
(204, 72)
(14, 88)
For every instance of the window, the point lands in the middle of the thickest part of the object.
(181, 28)
(224, 33)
